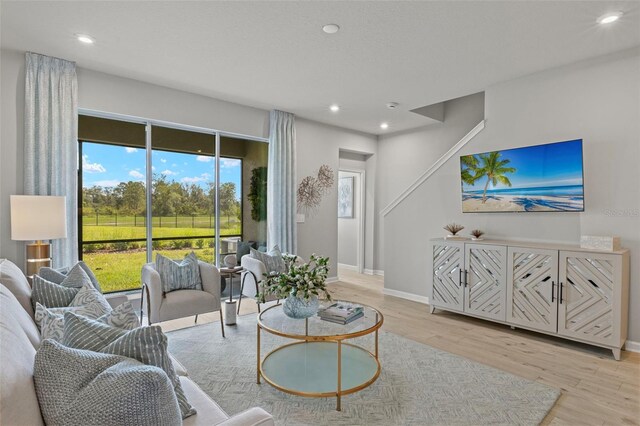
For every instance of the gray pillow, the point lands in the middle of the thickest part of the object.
(145, 344)
(53, 295)
(179, 275)
(273, 260)
(78, 387)
(243, 249)
(58, 275)
(50, 321)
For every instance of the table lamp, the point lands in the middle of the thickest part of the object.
(37, 218)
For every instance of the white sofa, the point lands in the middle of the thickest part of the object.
(19, 340)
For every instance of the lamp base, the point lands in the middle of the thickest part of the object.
(38, 256)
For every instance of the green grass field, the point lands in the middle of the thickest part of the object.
(117, 271)
(117, 265)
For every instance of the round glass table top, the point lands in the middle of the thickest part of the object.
(276, 322)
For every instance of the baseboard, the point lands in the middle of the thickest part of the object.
(348, 267)
(632, 346)
(331, 280)
(405, 295)
(374, 272)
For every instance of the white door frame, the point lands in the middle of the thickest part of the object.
(361, 215)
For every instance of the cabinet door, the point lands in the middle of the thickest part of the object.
(485, 282)
(446, 289)
(589, 296)
(532, 288)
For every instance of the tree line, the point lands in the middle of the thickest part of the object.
(169, 198)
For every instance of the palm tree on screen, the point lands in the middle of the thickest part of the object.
(494, 169)
(469, 164)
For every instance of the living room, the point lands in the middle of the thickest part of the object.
(396, 93)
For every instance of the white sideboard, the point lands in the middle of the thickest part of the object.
(562, 290)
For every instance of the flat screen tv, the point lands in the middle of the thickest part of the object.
(536, 178)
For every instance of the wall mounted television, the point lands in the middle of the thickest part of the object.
(540, 178)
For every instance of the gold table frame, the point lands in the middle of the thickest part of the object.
(306, 338)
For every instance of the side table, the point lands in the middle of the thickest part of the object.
(230, 305)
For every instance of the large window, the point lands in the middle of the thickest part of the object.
(116, 171)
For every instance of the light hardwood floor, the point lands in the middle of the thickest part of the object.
(596, 389)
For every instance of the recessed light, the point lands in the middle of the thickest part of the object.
(608, 18)
(85, 39)
(384, 126)
(334, 108)
(331, 28)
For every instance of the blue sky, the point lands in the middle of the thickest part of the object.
(108, 165)
(555, 164)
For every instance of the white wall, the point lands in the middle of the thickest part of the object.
(403, 157)
(349, 227)
(598, 101)
(321, 144)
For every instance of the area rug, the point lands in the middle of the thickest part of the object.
(418, 385)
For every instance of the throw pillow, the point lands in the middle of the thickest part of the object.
(58, 275)
(179, 275)
(79, 387)
(243, 249)
(51, 321)
(52, 295)
(273, 260)
(145, 344)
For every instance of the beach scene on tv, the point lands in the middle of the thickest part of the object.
(530, 179)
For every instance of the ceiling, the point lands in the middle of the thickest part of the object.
(275, 55)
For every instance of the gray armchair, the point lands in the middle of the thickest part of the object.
(181, 303)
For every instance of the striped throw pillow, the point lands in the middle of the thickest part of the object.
(145, 344)
(52, 295)
(58, 275)
(175, 275)
(273, 260)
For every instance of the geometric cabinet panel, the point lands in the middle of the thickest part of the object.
(588, 293)
(485, 280)
(531, 288)
(446, 289)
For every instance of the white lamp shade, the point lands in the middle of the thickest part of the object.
(38, 217)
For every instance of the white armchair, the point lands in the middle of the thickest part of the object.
(181, 303)
(252, 276)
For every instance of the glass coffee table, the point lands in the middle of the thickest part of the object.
(319, 362)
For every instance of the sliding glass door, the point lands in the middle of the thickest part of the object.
(148, 188)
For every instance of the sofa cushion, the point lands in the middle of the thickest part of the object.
(58, 275)
(179, 275)
(145, 344)
(12, 277)
(18, 402)
(79, 387)
(209, 412)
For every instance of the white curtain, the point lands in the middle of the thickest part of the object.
(281, 182)
(51, 141)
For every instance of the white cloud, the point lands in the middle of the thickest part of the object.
(204, 177)
(136, 174)
(106, 183)
(91, 167)
(168, 172)
(131, 150)
(194, 179)
(226, 163)
(204, 158)
(163, 160)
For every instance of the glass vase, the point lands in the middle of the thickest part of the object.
(299, 308)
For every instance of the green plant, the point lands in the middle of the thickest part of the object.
(258, 193)
(302, 280)
(200, 243)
